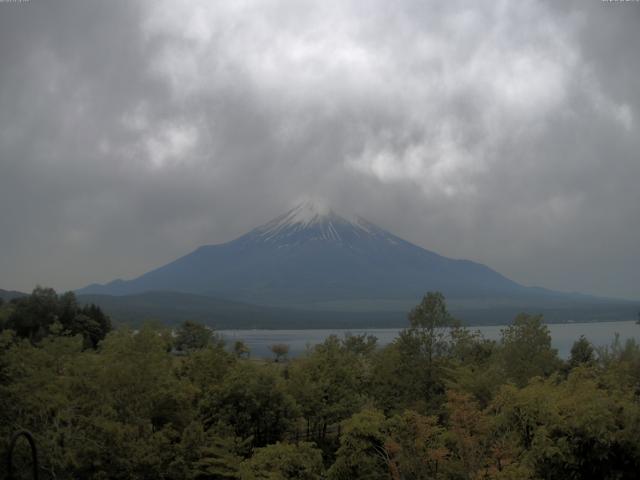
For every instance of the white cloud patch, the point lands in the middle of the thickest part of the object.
(371, 60)
(172, 143)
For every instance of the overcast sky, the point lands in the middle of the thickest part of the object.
(499, 131)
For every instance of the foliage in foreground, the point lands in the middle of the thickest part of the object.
(440, 402)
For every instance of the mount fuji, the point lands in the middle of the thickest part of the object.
(311, 258)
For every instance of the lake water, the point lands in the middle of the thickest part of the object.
(562, 336)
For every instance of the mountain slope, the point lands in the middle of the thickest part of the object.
(7, 295)
(311, 255)
(171, 308)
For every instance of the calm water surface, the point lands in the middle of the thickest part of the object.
(562, 336)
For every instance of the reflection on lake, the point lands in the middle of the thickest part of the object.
(562, 336)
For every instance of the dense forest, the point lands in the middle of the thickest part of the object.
(440, 402)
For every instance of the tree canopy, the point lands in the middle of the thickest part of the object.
(44, 312)
(440, 402)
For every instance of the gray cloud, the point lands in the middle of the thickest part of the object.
(507, 133)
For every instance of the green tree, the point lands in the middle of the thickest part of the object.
(206, 454)
(474, 365)
(430, 329)
(192, 336)
(415, 446)
(280, 350)
(363, 344)
(363, 452)
(413, 370)
(241, 349)
(582, 353)
(44, 313)
(573, 429)
(5, 312)
(93, 330)
(467, 436)
(431, 314)
(526, 349)
(253, 402)
(405, 446)
(328, 385)
(282, 461)
(34, 315)
(207, 367)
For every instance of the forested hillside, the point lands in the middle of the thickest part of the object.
(440, 402)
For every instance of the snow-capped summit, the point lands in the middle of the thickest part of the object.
(306, 213)
(312, 220)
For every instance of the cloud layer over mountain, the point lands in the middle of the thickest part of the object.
(503, 132)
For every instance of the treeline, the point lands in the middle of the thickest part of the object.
(45, 313)
(440, 402)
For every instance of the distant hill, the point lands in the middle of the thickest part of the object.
(172, 308)
(314, 260)
(7, 295)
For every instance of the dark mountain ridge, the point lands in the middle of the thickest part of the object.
(7, 295)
